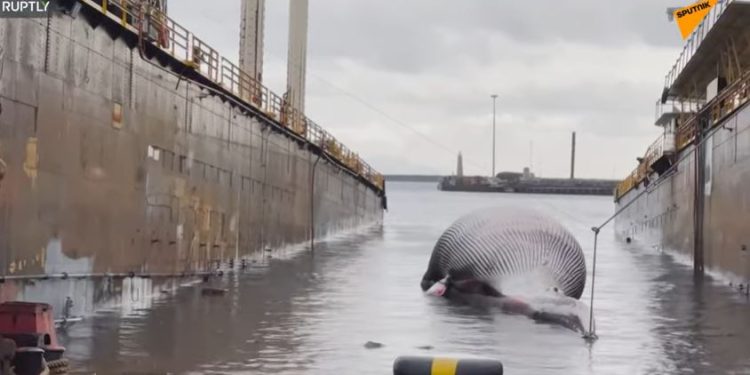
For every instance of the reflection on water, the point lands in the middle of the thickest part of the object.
(312, 313)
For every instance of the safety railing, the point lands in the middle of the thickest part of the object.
(723, 104)
(679, 107)
(685, 134)
(653, 153)
(161, 31)
(626, 185)
(733, 97)
(656, 150)
(695, 40)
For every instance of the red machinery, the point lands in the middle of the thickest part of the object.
(27, 331)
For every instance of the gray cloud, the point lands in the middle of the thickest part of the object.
(416, 34)
(595, 67)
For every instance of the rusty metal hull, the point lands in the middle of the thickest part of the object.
(112, 164)
(663, 216)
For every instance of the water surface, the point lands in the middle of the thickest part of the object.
(313, 313)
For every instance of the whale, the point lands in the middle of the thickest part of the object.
(517, 259)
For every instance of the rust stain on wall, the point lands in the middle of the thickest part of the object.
(117, 116)
(201, 190)
(3, 168)
(41, 258)
(31, 163)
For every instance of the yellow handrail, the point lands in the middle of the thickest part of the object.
(733, 97)
(184, 46)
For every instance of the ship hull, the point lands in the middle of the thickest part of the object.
(710, 230)
(114, 164)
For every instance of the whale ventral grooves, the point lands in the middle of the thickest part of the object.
(490, 244)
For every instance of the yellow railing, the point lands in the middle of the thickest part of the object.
(653, 153)
(625, 185)
(734, 96)
(164, 33)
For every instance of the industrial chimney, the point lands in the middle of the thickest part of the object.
(297, 59)
(573, 157)
(460, 166)
(251, 38)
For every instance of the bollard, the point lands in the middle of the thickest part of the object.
(446, 366)
(29, 361)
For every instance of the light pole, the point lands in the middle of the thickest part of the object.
(494, 112)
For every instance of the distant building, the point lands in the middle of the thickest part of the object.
(527, 173)
(509, 176)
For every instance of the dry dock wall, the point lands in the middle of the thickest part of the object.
(115, 165)
(663, 217)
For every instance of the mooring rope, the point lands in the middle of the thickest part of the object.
(591, 334)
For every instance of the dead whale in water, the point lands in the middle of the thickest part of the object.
(517, 259)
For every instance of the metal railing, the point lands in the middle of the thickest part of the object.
(166, 34)
(695, 40)
(732, 98)
(653, 153)
(722, 105)
(656, 150)
(625, 185)
(680, 107)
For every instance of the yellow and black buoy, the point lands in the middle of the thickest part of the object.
(446, 366)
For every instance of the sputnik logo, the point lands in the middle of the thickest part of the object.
(689, 17)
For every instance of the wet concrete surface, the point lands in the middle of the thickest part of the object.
(299, 312)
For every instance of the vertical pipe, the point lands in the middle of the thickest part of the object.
(591, 335)
(238, 228)
(264, 144)
(312, 203)
(573, 157)
(3, 220)
(698, 199)
(494, 112)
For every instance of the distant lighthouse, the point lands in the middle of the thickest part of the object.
(460, 166)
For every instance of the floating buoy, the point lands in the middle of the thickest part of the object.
(445, 366)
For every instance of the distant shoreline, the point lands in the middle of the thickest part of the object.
(413, 178)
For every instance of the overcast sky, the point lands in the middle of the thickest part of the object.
(590, 66)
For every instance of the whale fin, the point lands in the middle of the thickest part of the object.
(569, 321)
(565, 311)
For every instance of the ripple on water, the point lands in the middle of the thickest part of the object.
(313, 314)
